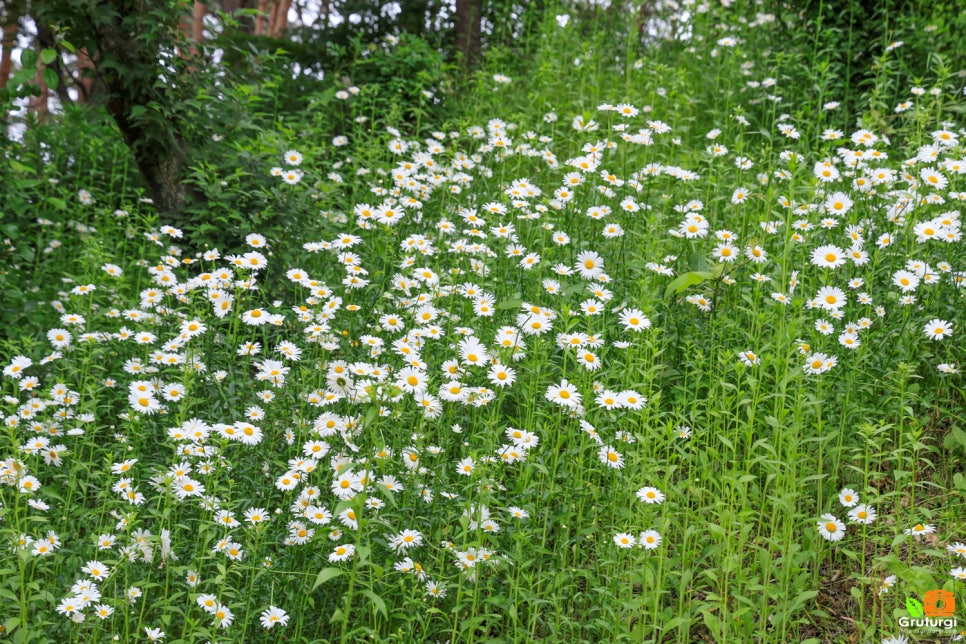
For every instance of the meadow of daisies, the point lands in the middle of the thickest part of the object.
(631, 349)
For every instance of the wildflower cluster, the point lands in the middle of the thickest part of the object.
(507, 320)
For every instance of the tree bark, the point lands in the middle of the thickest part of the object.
(156, 142)
(469, 23)
(246, 24)
(193, 32)
(161, 163)
(6, 59)
(198, 13)
(125, 41)
(13, 11)
(40, 105)
(279, 21)
(85, 76)
(261, 20)
(412, 16)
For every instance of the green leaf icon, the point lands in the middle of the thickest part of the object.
(914, 606)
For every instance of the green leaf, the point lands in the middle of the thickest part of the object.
(26, 169)
(370, 416)
(47, 56)
(377, 601)
(28, 59)
(918, 578)
(712, 621)
(682, 282)
(51, 78)
(11, 625)
(327, 574)
(802, 599)
(914, 606)
(698, 262)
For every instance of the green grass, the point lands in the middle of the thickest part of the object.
(747, 453)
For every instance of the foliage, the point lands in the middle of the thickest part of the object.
(585, 347)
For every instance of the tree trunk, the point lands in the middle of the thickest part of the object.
(85, 76)
(279, 21)
(124, 41)
(245, 24)
(6, 60)
(40, 105)
(412, 16)
(261, 20)
(156, 142)
(469, 17)
(198, 13)
(192, 29)
(160, 162)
